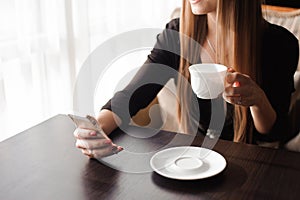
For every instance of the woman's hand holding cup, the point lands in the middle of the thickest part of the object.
(241, 90)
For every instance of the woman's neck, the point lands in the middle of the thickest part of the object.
(211, 24)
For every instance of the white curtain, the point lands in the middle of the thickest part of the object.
(43, 44)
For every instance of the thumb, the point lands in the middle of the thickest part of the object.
(230, 69)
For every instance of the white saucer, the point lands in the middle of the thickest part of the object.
(187, 163)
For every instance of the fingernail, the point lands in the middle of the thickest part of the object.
(236, 84)
(93, 133)
(120, 148)
(81, 143)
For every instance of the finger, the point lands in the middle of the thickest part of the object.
(237, 100)
(98, 153)
(234, 91)
(93, 144)
(231, 78)
(230, 69)
(87, 152)
(81, 133)
(104, 152)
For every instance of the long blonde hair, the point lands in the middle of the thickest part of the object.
(240, 23)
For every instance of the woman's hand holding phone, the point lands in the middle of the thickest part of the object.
(91, 139)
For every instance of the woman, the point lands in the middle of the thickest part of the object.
(262, 58)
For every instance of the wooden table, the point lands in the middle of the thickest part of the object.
(43, 163)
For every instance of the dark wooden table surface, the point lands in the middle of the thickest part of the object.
(43, 163)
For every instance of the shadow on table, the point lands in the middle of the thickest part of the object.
(98, 180)
(232, 178)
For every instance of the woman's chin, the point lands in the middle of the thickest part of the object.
(198, 11)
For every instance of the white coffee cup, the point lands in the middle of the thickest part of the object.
(207, 79)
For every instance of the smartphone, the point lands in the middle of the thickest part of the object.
(88, 122)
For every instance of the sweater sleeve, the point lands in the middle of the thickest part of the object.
(161, 65)
(280, 60)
